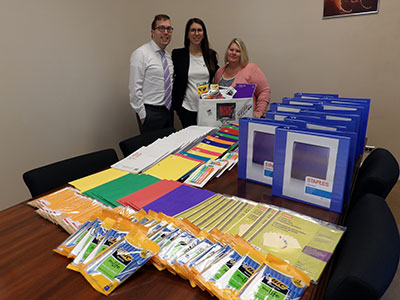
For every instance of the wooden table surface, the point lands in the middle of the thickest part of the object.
(31, 270)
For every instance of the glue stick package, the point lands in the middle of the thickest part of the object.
(114, 265)
(276, 280)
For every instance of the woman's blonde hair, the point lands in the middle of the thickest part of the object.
(244, 57)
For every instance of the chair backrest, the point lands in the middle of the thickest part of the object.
(377, 175)
(49, 177)
(130, 145)
(368, 255)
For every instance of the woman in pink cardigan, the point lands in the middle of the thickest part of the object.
(238, 69)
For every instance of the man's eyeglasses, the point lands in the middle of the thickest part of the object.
(163, 29)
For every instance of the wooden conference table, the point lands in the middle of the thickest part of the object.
(31, 270)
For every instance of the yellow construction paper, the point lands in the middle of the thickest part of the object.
(91, 181)
(172, 167)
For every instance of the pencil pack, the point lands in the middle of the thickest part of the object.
(237, 276)
(91, 240)
(114, 265)
(119, 230)
(69, 244)
(219, 267)
(276, 279)
(182, 262)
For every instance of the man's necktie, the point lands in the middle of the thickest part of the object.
(167, 79)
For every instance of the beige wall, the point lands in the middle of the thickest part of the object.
(64, 68)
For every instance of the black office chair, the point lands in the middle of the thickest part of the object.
(368, 254)
(377, 175)
(130, 145)
(49, 177)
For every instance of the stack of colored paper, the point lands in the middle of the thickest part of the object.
(149, 194)
(216, 144)
(96, 179)
(179, 200)
(116, 189)
(174, 166)
(145, 157)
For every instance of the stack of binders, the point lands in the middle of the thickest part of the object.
(306, 147)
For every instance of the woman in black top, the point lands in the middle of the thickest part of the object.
(193, 64)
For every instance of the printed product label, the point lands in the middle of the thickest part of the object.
(222, 271)
(318, 187)
(243, 273)
(266, 292)
(114, 265)
(268, 168)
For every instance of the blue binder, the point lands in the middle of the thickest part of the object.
(311, 167)
(256, 149)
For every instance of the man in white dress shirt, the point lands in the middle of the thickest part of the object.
(150, 80)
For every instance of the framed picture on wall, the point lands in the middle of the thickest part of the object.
(342, 8)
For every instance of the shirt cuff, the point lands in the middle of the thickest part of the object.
(142, 113)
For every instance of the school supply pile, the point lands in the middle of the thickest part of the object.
(147, 156)
(67, 208)
(110, 247)
(221, 106)
(219, 153)
(306, 243)
(213, 168)
(306, 148)
(200, 157)
(222, 264)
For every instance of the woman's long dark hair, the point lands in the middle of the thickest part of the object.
(205, 48)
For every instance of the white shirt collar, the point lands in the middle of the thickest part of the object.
(155, 47)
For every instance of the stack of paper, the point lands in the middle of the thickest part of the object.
(116, 189)
(145, 157)
(178, 200)
(96, 179)
(67, 208)
(173, 167)
(216, 144)
(149, 194)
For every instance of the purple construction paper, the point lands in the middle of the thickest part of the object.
(179, 200)
(244, 90)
